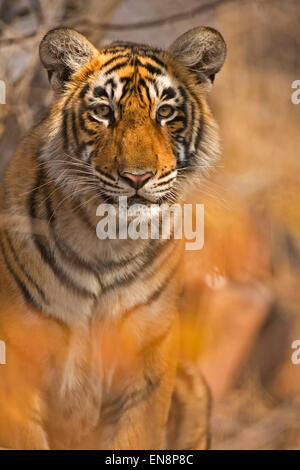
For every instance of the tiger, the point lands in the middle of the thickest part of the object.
(92, 326)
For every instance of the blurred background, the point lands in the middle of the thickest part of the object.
(241, 301)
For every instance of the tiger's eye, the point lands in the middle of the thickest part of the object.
(103, 110)
(165, 111)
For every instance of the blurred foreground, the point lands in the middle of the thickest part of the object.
(241, 303)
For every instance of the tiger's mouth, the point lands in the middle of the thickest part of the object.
(144, 188)
(131, 200)
(135, 199)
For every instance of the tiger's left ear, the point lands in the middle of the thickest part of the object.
(202, 50)
(63, 51)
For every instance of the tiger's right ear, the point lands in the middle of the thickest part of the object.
(63, 51)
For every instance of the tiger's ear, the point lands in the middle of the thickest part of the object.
(62, 52)
(202, 50)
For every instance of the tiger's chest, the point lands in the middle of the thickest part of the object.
(73, 400)
(89, 383)
(75, 292)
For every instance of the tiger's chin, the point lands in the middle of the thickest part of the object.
(138, 199)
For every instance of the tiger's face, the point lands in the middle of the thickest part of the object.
(131, 125)
(133, 119)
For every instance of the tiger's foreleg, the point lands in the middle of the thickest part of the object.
(21, 421)
(188, 424)
(21, 403)
(142, 422)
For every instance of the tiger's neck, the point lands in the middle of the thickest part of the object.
(66, 271)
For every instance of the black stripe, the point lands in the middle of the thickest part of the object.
(158, 292)
(74, 130)
(110, 185)
(156, 59)
(84, 128)
(184, 96)
(26, 294)
(110, 265)
(117, 50)
(161, 191)
(164, 182)
(178, 119)
(66, 252)
(113, 409)
(144, 85)
(126, 81)
(169, 93)
(110, 119)
(116, 67)
(111, 82)
(72, 257)
(64, 129)
(100, 91)
(88, 142)
(140, 95)
(113, 59)
(192, 122)
(50, 260)
(42, 245)
(165, 174)
(155, 86)
(149, 255)
(23, 269)
(200, 127)
(151, 68)
(84, 91)
(105, 174)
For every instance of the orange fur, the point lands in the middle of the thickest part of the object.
(91, 326)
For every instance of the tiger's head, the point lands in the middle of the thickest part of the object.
(129, 119)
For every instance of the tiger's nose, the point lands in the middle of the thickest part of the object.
(137, 180)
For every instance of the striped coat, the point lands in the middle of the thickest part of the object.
(91, 326)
